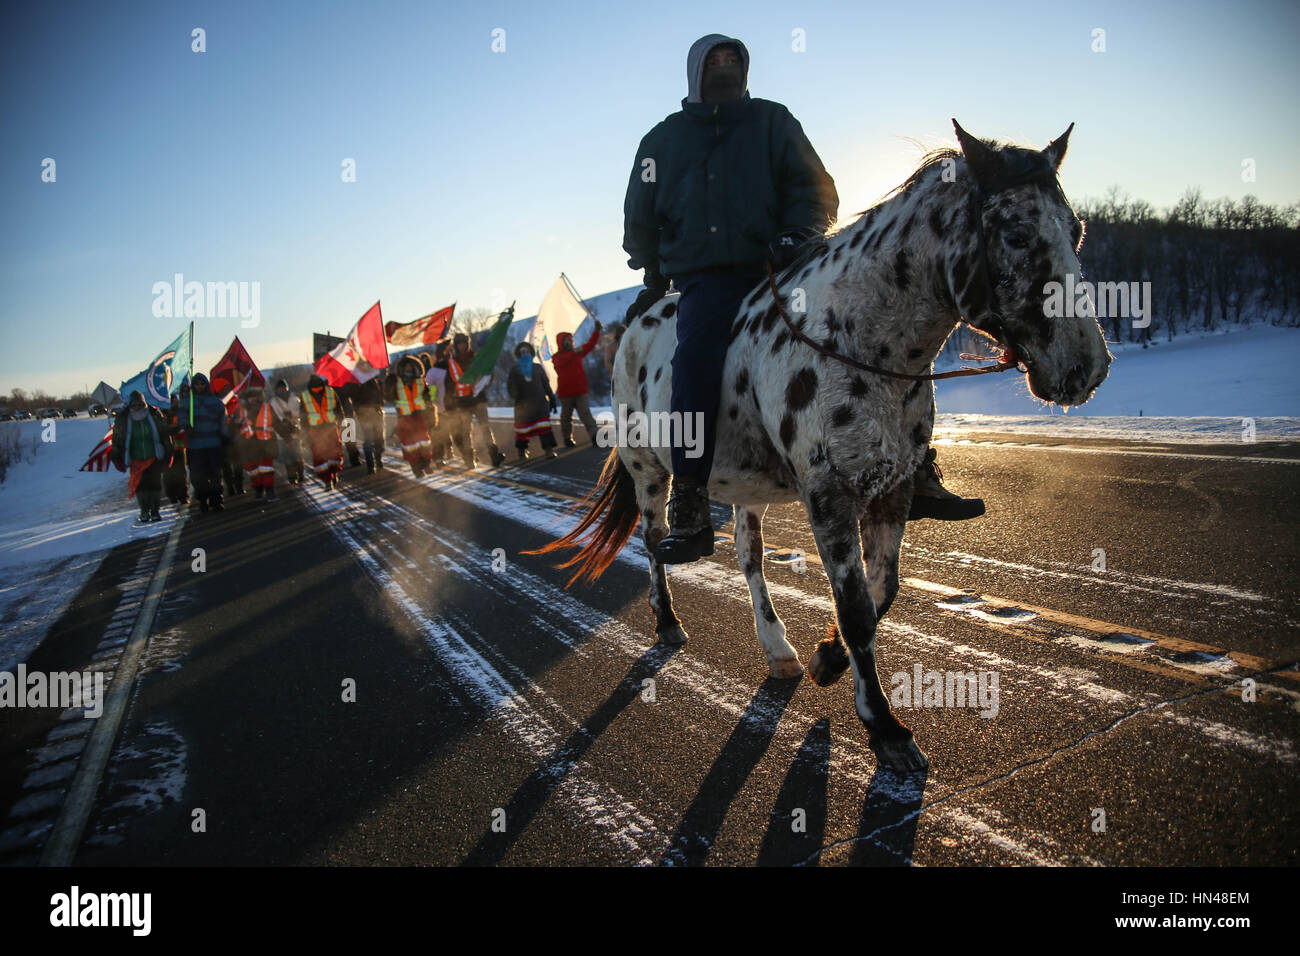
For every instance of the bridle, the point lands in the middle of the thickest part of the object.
(1005, 362)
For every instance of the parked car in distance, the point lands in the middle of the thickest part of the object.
(6, 417)
(69, 413)
(97, 409)
(22, 415)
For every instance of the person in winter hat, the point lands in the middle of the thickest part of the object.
(470, 410)
(258, 443)
(321, 414)
(412, 398)
(142, 444)
(287, 409)
(203, 418)
(571, 384)
(530, 390)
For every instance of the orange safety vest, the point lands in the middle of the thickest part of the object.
(409, 402)
(315, 414)
(464, 391)
(261, 425)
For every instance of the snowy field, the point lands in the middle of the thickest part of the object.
(56, 525)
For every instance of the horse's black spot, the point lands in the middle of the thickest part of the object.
(649, 513)
(787, 430)
(753, 296)
(921, 433)
(960, 273)
(640, 375)
(802, 388)
(779, 341)
(857, 237)
(883, 353)
(652, 489)
(742, 381)
(805, 274)
(858, 387)
(636, 466)
(900, 269)
(735, 330)
(817, 456)
(832, 323)
(912, 392)
(849, 326)
(734, 413)
(835, 257)
(913, 353)
(936, 221)
(670, 310)
(843, 416)
(658, 372)
(830, 343)
(649, 321)
(643, 399)
(770, 317)
(819, 508)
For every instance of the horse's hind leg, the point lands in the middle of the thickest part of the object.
(652, 499)
(782, 658)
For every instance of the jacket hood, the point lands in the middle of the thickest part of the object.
(695, 63)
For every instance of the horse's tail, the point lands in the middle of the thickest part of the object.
(612, 511)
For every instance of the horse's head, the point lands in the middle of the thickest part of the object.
(1030, 238)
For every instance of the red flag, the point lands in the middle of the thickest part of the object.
(101, 454)
(235, 372)
(423, 331)
(360, 357)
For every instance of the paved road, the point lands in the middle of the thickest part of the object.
(501, 719)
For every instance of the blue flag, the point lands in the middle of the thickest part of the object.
(165, 374)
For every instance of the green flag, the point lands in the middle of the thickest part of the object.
(486, 359)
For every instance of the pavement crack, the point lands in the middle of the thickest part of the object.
(1052, 754)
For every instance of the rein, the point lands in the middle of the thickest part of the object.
(1007, 360)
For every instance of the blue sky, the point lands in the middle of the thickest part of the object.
(481, 174)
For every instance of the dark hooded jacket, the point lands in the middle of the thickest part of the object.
(208, 428)
(728, 179)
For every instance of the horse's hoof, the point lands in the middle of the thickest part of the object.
(672, 636)
(785, 668)
(829, 661)
(900, 754)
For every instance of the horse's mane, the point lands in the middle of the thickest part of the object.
(1019, 165)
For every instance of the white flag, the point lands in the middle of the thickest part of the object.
(560, 312)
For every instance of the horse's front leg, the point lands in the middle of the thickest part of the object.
(881, 529)
(834, 519)
(782, 658)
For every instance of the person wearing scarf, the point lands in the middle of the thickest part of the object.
(534, 402)
(142, 444)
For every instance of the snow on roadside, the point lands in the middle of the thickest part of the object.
(56, 526)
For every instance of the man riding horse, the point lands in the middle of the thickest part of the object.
(719, 189)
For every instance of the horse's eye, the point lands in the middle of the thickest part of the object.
(1017, 238)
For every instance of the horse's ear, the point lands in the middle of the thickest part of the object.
(983, 161)
(1055, 151)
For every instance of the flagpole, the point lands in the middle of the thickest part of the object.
(576, 295)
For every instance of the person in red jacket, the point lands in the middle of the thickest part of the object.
(572, 385)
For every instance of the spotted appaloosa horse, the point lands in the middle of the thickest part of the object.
(972, 235)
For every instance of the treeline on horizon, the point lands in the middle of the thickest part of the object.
(1211, 264)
